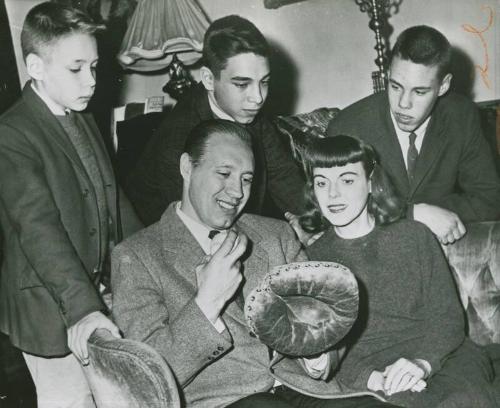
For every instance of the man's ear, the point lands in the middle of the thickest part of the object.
(35, 66)
(445, 84)
(185, 166)
(207, 78)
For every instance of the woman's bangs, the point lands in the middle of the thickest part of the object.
(334, 151)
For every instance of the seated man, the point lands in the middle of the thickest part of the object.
(234, 86)
(429, 140)
(179, 284)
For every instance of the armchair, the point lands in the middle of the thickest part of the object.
(128, 374)
(475, 263)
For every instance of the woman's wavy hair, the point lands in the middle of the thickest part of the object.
(383, 203)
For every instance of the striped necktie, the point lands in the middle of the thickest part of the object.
(411, 157)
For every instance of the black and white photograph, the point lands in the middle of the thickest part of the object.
(249, 203)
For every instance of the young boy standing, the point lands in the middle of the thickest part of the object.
(60, 208)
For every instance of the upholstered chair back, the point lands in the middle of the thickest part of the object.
(128, 374)
(475, 263)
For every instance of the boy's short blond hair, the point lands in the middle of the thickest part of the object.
(47, 22)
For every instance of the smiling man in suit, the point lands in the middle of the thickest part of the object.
(429, 139)
(179, 286)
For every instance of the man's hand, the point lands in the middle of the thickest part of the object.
(304, 237)
(446, 225)
(219, 276)
(79, 333)
(405, 375)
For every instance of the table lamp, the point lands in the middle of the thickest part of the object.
(165, 34)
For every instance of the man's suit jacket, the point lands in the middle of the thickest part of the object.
(454, 169)
(49, 218)
(156, 180)
(154, 286)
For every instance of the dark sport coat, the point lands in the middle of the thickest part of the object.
(49, 218)
(454, 169)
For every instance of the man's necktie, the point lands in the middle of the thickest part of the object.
(217, 240)
(411, 157)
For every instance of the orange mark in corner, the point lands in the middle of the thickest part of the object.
(483, 69)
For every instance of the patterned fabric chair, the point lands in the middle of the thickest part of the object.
(475, 263)
(128, 374)
(301, 128)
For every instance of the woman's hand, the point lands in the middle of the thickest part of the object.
(376, 381)
(405, 375)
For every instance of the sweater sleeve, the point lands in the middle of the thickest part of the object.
(443, 312)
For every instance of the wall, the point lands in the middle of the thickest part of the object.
(326, 47)
(329, 47)
(16, 11)
(455, 19)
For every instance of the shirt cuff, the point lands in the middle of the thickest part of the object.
(219, 325)
(316, 366)
(426, 366)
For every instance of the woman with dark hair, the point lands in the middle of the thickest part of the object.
(408, 342)
(382, 203)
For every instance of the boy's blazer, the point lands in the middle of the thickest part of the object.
(455, 168)
(49, 218)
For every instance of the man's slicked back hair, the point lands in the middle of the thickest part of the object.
(229, 36)
(198, 138)
(48, 22)
(424, 45)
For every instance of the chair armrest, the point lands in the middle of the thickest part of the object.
(475, 263)
(128, 373)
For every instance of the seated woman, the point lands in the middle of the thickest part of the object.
(408, 342)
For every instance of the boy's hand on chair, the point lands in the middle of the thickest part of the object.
(79, 333)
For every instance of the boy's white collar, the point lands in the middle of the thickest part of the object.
(216, 110)
(53, 107)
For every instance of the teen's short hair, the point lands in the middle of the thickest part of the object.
(424, 45)
(383, 203)
(229, 36)
(197, 139)
(47, 22)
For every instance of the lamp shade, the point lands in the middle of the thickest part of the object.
(160, 28)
